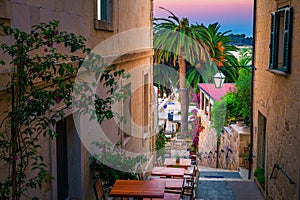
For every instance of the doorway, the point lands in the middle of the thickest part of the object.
(261, 141)
(68, 159)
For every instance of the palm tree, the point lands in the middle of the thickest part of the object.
(176, 41)
(165, 77)
(220, 49)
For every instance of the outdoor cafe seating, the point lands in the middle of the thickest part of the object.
(165, 182)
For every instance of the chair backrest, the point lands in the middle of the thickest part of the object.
(195, 169)
(196, 179)
(196, 184)
(98, 188)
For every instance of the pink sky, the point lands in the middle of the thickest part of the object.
(235, 15)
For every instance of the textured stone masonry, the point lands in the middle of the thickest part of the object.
(277, 98)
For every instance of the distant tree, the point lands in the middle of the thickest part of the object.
(241, 40)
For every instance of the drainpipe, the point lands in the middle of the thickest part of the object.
(218, 146)
(252, 92)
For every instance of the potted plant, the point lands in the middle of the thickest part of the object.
(259, 173)
(247, 161)
(177, 156)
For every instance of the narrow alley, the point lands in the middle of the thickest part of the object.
(220, 184)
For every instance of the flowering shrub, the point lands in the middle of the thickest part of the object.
(196, 99)
(197, 126)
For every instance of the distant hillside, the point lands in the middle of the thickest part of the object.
(240, 40)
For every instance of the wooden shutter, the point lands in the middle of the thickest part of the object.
(273, 43)
(287, 40)
(104, 10)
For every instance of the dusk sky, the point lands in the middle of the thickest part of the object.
(234, 15)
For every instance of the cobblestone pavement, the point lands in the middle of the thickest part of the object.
(218, 184)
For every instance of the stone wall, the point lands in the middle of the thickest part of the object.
(277, 98)
(207, 143)
(234, 146)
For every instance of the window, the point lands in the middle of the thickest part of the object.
(146, 107)
(126, 112)
(103, 16)
(281, 34)
(103, 10)
(146, 103)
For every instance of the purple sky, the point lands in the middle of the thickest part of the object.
(234, 15)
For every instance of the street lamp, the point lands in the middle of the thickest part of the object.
(219, 79)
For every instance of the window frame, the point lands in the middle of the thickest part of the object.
(106, 23)
(285, 68)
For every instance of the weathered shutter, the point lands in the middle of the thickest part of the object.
(287, 40)
(104, 10)
(273, 52)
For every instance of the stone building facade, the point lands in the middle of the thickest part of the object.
(234, 138)
(277, 96)
(128, 22)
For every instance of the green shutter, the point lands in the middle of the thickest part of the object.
(104, 10)
(273, 52)
(287, 40)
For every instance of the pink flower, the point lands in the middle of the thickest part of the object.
(56, 99)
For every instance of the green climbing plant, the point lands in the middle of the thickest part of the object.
(218, 117)
(160, 143)
(42, 66)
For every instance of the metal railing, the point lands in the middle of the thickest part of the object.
(276, 166)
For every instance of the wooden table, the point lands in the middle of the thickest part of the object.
(183, 162)
(167, 171)
(173, 184)
(138, 189)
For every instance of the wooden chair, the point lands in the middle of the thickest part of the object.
(176, 191)
(189, 177)
(99, 191)
(190, 191)
(196, 185)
